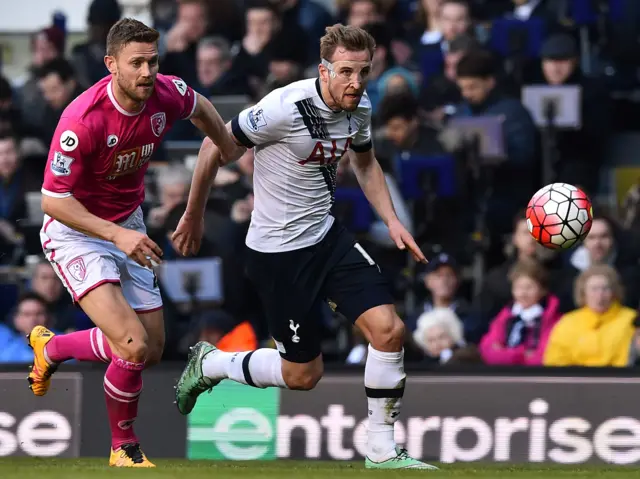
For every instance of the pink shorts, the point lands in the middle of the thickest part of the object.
(83, 263)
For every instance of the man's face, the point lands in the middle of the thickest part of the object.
(349, 78)
(193, 17)
(362, 12)
(261, 23)
(211, 65)
(31, 313)
(135, 68)
(475, 90)
(451, 64)
(398, 130)
(442, 283)
(8, 158)
(56, 91)
(556, 72)
(46, 283)
(454, 20)
(599, 241)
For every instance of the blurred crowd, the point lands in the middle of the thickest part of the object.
(490, 294)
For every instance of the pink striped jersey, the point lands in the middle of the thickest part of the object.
(100, 152)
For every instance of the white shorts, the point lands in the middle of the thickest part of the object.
(83, 263)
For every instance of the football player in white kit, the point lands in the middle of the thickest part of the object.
(298, 254)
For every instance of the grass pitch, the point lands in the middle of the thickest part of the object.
(26, 468)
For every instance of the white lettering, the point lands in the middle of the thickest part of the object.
(538, 431)
(616, 434)
(50, 441)
(505, 428)
(579, 447)
(335, 422)
(417, 428)
(8, 442)
(450, 447)
(312, 431)
(229, 437)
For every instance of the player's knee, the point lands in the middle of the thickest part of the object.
(154, 354)
(133, 347)
(388, 334)
(303, 378)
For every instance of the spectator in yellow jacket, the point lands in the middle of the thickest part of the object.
(600, 332)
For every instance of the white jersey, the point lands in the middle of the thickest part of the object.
(298, 142)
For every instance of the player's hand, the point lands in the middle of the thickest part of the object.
(139, 247)
(188, 235)
(403, 240)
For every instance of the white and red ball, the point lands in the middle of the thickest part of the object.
(559, 216)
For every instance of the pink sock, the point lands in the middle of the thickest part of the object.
(87, 345)
(122, 387)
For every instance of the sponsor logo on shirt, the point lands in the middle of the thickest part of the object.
(129, 161)
(61, 164)
(68, 140)
(180, 86)
(255, 119)
(112, 140)
(158, 122)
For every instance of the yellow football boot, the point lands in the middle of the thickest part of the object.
(41, 371)
(129, 455)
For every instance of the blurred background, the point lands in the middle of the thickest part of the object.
(477, 104)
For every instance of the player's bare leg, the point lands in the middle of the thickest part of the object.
(384, 381)
(108, 309)
(153, 323)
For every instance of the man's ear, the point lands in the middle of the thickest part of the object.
(110, 63)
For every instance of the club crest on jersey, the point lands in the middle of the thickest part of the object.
(158, 122)
(61, 164)
(256, 120)
(77, 269)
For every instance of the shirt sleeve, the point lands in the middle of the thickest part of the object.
(182, 97)
(268, 121)
(70, 150)
(362, 141)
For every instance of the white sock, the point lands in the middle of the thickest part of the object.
(384, 379)
(260, 368)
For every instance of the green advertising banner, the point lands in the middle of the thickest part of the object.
(234, 422)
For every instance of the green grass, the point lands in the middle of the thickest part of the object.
(26, 468)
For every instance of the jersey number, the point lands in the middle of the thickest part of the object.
(317, 155)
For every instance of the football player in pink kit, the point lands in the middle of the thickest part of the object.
(93, 232)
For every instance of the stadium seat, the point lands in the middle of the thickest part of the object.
(583, 12)
(510, 36)
(414, 172)
(353, 208)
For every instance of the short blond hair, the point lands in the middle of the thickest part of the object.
(352, 38)
(597, 270)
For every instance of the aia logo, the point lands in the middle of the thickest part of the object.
(318, 155)
(130, 161)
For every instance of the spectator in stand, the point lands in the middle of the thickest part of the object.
(88, 58)
(601, 246)
(59, 87)
(46, 45)
(440, 337)
(518, 335)
(580, 154)
(31, 312)
(173, 185)
(182, 39)
(444, 20)
(362, 12)
(601, 331)
(514, 181)
(225, 332)
(284, 64)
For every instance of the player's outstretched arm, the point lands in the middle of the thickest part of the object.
(371, 180)
(207, 119)
(188, 234)
(73, 214)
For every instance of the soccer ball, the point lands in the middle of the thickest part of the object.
(559, 216)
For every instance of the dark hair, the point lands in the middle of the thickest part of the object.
(352, 38)
(398, 105)
(8, 134)
(6, 92)
(376, 4)
(463, 43)
(262, 5)
(58, 66)
(33, 296)
(129, 30)
(476, 64)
